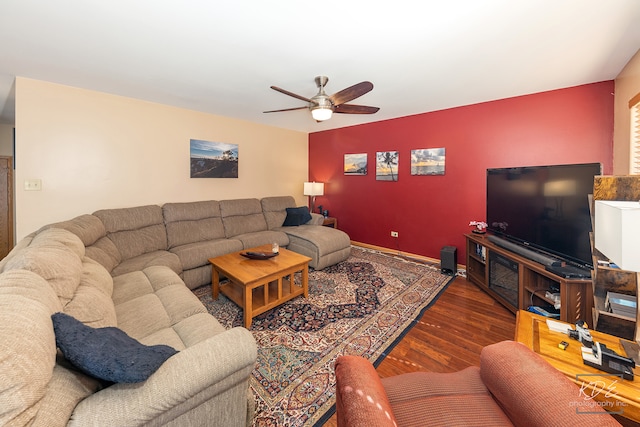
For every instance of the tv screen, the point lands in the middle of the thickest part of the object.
(544, 207)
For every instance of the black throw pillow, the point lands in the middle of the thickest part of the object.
(297, 216)
(107, 353)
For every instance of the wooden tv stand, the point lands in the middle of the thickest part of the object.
(576, 295)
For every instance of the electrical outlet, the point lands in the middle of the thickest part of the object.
(394, 234)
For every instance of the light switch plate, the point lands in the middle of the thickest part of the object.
(32, 184)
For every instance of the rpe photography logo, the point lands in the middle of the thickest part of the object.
(598, 390)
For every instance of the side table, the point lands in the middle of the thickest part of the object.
(619, 397)
(330, 222)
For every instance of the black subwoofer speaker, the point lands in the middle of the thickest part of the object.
(449, 260)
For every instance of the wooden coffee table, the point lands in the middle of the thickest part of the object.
(618, 396)
(260, 285)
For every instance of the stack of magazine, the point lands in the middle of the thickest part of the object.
(621, 304)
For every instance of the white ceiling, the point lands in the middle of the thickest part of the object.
(221, 57)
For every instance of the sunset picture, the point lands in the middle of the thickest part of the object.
(213, 159)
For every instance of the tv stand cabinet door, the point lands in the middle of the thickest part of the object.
(578, 300)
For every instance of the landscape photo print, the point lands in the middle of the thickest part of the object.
(213, 159)
(428, 161)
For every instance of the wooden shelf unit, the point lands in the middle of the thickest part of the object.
(576, 296)
(607, 279)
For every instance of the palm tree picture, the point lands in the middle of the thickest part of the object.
(387, 166)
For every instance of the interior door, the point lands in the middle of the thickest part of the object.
(6, 205)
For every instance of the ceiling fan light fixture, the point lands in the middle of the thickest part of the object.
(322, 106)
(321, 113)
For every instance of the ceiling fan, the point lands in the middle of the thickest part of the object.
(322, 106)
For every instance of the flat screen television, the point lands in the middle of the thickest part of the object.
(545, 208)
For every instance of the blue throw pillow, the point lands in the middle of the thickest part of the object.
(107, 353)
(297, 216)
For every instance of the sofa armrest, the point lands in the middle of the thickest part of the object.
(221, 364)
(316, 219)
(360, 397)
(532, 392)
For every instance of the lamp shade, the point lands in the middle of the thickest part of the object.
(313, 188)
(617, 232)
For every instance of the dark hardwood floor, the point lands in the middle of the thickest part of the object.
(450, 334)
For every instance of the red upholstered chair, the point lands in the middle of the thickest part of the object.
(512, 387)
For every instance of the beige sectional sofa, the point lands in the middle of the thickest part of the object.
(183, 236)
(127, 268)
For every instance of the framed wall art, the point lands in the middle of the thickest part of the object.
(355, 164)
(213, 159)
(387, 166)
(428, 161)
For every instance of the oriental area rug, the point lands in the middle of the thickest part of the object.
(361, 306)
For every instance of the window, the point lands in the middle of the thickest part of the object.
(634, 108)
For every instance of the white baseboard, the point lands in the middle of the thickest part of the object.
(402, 254)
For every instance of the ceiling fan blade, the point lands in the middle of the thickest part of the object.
(355, 109)
(350, 93)
(286, 92)
(286, 109)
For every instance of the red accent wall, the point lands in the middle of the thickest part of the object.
(573, 125)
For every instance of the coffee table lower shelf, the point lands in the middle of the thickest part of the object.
(258, 301)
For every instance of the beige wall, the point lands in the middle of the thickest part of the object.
(627, 86)
(6, 140)
(93, 150)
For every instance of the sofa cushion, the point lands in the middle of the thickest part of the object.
(92, 233)
(67, 387)
(132, 243)
(297, 216)
(92, 304)
(83, 286)
(242, 216)
(267, 237)
(87, 227)
(197, 254)
(192, 222)
(148, 259)
(135, 231)
(107, 353)
(105, 252)
(56, 255)
(168, 305)
(275, 209)
(322, 240)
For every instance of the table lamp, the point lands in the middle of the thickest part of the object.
(617, 232)
(313, 189)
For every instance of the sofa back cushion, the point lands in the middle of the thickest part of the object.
(82, 285)
(92, 233)
(55, 255)
(192, 222)
(275, 209)
(135, 231)
(87, 227)
(242, 216)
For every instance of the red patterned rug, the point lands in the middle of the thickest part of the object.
(362, 306)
